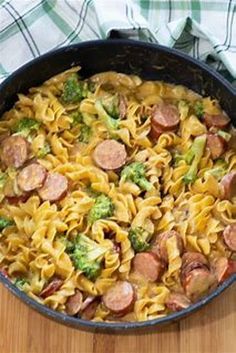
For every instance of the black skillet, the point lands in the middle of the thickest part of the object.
(150, 61)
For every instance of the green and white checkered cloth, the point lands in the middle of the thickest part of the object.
(204, 29)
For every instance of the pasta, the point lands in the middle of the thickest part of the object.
(118, 196)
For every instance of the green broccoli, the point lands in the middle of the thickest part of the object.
(92, 193)
(87, 256)
(44, 150)
(4, 222)
(20, 282)
(199, 109)
(111, 105)
(77, 118)
(25, 126)
(135, 172)
(194, 156)
(111, 123)
(85, 133)
(219, 170)
(91, 86)
(102, 208)
(139, 239)
(69, 245)
(74, 90)
(226, 136)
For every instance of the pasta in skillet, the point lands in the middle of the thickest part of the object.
(117, 196)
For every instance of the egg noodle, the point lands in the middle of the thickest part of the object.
(33, 246)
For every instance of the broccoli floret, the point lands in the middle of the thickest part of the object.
(77, 118)
(91, 86)
(44, 150)
(102, 208)
(111, 123)
(199, 109)
(139, 239)
(4, 222)
(87, 256)
(92, 193)
(111, 105)
(85, 134)
(194, 156)
(74, 90)
(69, 245)
(25, 126)
(21, 282)
(135, 172)
(219, 170)
(224, 134)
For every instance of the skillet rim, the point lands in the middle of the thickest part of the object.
(119, 326)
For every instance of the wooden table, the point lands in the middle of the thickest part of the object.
(211, 330)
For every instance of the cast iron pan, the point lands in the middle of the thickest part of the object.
(153, 62)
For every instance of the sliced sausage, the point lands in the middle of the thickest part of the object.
(51, 288)
(159, 244)
(229, 235)
(192, 261)
(177, 302)
(148, 265)
(14, 151)
(89, 312)
(228, 185)
(223, 268)
(120, 298)
(190, 267)
(166, 116)
(110, 155)
(74, 303)
(217, 145)
(31, 177)
(191, 256)
(155, 132)
(16, 199)
(87, 301)
(54, 188)
(198, 283)
(218, 120)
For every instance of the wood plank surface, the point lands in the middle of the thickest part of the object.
(211, 330)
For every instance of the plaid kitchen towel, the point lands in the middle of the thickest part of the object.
(205, 29)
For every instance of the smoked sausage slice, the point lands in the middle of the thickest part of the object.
(216, 144)
(191, 256)
(110, 155)
(218, 120)
(192, 261)
(166, 116)
(229, 235)
(54, 188)
(119, 299)
(51, 288)
(223, 268)
(14, 151)
(155, 132)
(89, 312)
(74, 303)
(199, 282)
(159, 245)
(148, 265)
(31, 177)
(177, 302)
(228, 184)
